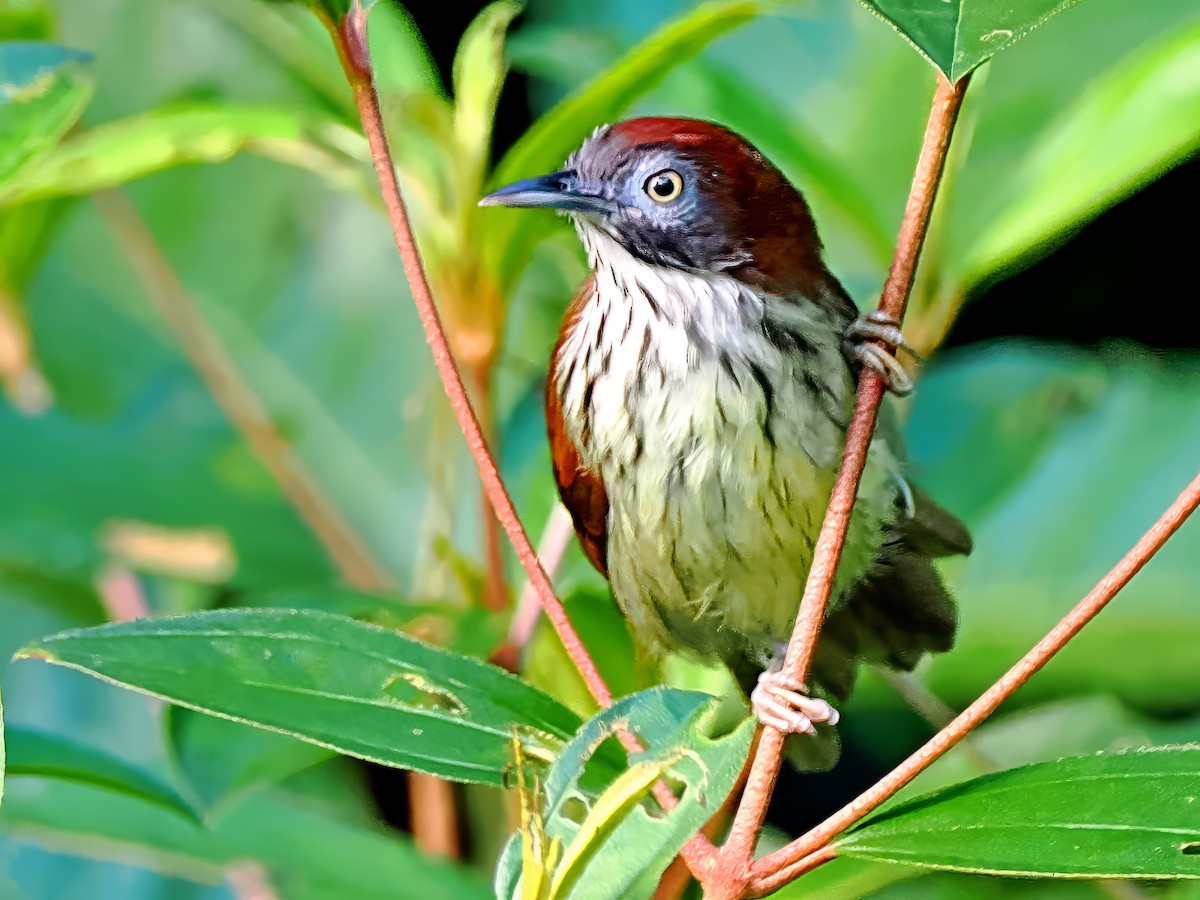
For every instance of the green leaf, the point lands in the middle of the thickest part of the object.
(354, 688)
(1112, 815)
(478, 76)
(23, 64)
(132, 148)
(310, 855)
(958, 35)
(33, 753)
(3, 756)
(555, 135)
(40, 99)
(1128, 126)
(613, 847)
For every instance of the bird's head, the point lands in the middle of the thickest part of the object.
(686, 194)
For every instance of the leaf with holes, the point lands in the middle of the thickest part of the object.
(354, 688)
(1112, 815)
(617, 842)
(958, 35)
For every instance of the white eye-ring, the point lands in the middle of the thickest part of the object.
(664, 186)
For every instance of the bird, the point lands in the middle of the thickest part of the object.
(697, 403)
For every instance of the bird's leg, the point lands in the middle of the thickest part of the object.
(785, 705)
(878, 326)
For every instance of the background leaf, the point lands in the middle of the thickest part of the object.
(1122, 815)
(354, 688)
(124, 150)
(50, 756)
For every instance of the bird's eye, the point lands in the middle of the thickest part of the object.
(664, 186)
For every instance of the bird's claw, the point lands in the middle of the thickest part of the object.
(785, 706)
(859, 343)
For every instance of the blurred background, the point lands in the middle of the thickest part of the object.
(217, 393)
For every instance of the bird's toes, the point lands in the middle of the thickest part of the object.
(780, 705)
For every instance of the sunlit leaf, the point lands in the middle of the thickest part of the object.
(127, 149)
(354, 688)
(1111, 815)
(958, 35)
(1128, 126)
(33, 753)
(479, 71)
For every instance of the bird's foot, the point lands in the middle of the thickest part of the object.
(786, 706)
(859, 345)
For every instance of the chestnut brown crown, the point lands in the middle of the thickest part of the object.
(688, 194)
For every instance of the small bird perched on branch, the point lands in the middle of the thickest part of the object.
(697, 405)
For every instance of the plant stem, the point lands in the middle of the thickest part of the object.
(736, 855)
(242, 407)
(782, 866)
(350, 39)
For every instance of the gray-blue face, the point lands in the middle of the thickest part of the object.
(656, 200)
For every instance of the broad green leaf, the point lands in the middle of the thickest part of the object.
(847, 878)
(958, 35)
(309, 855)
(479, 71)
(1130, 125)
(354, 688)
(40, 99)
(1111, 815)
(127, 149)
(33, 753)
(611, 845)
(545, 146)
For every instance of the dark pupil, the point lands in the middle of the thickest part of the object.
(662, 186)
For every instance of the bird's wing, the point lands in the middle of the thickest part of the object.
(581, 489)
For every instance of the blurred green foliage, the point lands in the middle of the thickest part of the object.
(118, 468)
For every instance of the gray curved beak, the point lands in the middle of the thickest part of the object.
(558, 190)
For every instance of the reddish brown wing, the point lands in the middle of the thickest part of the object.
(581, 489)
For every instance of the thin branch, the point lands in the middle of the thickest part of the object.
(737, 853)
(350, 39)
(782, 866)
(432, 815)
(240, 404)
(552, 546)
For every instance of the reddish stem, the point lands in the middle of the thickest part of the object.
(350, 38)
(773, 871)
(736, 855)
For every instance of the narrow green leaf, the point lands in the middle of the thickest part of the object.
(1129, 126)
(555, 135)
(615, 846)
(33, 753)
(479, 71)
(354, 688)
(958, 35)
(127, 149)
(1134, 814)
(40, 99)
